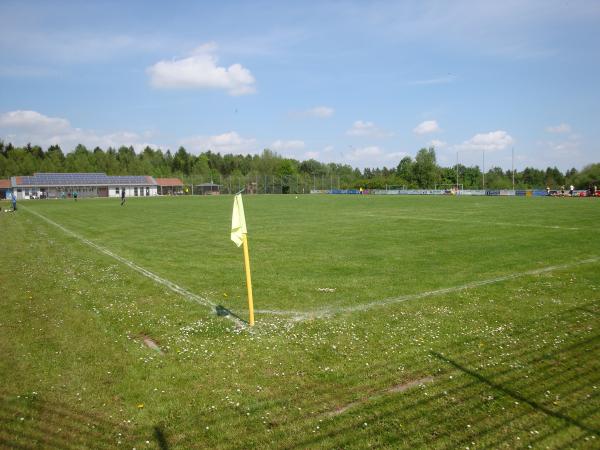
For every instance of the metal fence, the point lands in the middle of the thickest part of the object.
(265, 184)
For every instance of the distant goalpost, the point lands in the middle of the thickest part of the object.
(450, 186)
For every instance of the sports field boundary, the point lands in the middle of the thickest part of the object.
(319, 313)
(151, 275)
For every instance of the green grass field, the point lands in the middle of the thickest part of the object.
(381, 321)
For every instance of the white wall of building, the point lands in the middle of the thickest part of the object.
(133, 191)
(27, 193)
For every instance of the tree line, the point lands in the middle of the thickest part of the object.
(420, 172)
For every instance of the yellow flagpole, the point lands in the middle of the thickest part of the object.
(248, 280)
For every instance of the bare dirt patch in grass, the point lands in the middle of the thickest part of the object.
(151, 343)
(398, 388)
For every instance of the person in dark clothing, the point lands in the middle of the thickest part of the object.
(122, 196)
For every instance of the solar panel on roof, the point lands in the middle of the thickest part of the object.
(79, 179)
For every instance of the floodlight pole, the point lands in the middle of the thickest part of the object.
(483, 169)
(457, 171)
(513, 167)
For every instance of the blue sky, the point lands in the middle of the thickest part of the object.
(362, 83)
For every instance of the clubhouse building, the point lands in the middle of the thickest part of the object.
(63, 185)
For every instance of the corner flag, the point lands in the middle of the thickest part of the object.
(239, 235)
(238, 221)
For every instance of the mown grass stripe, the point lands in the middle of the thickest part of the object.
(154, 277)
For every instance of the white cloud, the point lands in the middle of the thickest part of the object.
(32, 127)
(565, 153)
(230, 142)
(395, 156)
(32, 120)
(365, 153)
(428, 126)
(200, 70)
(568, 147)
(561, 128)
(565, 148)
(362, 128)
(320, 112)
(374, 156)
(280, 145)
(312, 155)
(435, 143)
(494, 140)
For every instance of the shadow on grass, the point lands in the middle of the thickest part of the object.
(161, 440)
(31, 422)
(224, 312)
(439, 420)
(479, 406)
(514, 394)
(35, 422)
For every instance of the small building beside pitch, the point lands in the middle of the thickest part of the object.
(207, 189)
(169, 186)
(4, 188)
(64, 185)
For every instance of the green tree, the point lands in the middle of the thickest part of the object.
(532, 178)
(312, 167)
(181, 162)
(425, 168)
(589, 176)
(496, 179)
(125, 158)
(554, 177)
(200, 166)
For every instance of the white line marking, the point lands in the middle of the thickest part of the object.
(319, 313)
(481, 222)
(325, 312)
(169, 284)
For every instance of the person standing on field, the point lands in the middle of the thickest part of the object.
(571, 190)
(122, 196)
(13, 199)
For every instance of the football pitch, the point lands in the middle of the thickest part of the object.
(381, 321)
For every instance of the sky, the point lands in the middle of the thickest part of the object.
(350, 82)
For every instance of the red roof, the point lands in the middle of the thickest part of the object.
(169, 182)
(4, 184)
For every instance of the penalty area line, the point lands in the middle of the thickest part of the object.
(190, 296)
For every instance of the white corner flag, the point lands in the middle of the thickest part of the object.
(239, 235)
(238, 221)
